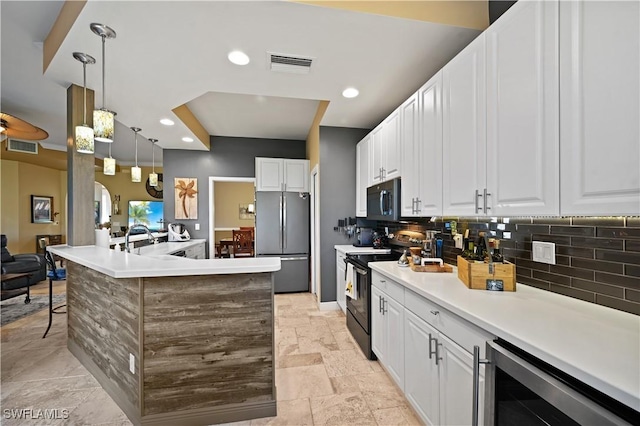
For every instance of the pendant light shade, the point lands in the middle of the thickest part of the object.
(84, 134)
(109, 167)
(103, 119)
(153, 176)
(136, 172)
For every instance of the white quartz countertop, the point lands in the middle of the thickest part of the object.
(136, 237)
(351, 249)
(595, 344)
(120, 264)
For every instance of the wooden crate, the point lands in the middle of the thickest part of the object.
(475, 275)
(433, 267)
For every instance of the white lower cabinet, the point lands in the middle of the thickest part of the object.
(195, 252)
(341, 282)
(387, 338)
(428, 351)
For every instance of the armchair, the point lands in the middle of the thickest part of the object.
(17, 264)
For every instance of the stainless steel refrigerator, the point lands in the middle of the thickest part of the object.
(282, 229)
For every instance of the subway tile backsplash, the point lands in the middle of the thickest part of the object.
(597, 258)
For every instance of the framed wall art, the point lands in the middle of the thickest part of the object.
(41, 209)
(186, 198)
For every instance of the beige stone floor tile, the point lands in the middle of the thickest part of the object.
(395, 416)
(302, 382)
(286, 336)
(345, 363)
(313, 332)
(337, 323)
(59, 363)
(379, 391)
(335, 313)
(14, 362)
(98, 408)
(284, 350)
(299, 360)
(319, 322)
(323, 344)
(344, 340)
(296, 412)
(344, 384)
(344, 409)
(295, 321)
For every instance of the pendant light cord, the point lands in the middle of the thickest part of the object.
(153, 157)
(84, 103)
(103, 71)
(136, 149)
(110, 150)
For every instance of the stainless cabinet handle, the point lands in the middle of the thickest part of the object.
(438, 357)
(281, 225)
(435, 312)
(478, 195)
(413, 205)
(486, 195)
(431, 352)
(384, 302)
(418, 201)
(379, 303)
(476, 384)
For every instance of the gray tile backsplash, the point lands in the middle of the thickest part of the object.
(597, 258)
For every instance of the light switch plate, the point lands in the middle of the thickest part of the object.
(544, 252)
(197, 226)
(132, 363)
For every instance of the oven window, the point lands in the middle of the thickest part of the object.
(518, 405)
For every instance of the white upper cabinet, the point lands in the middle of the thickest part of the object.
(362, 176)
(522, 111)
(282, 174)
(421, 138)
(464, 130)
(599, 107)
(384, 150)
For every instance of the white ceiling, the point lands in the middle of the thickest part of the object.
(169, 53)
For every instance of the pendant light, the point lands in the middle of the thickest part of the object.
(84, 133)
(109, 164)
(103, 119)
(136, 172)
(153, 176)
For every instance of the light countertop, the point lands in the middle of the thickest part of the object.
(595, 344)
(351, 249)
(120, 264)
(166, 247)
(136, 237)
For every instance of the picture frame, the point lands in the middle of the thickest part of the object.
(41, 209)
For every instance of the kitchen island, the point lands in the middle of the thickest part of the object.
(174, 340)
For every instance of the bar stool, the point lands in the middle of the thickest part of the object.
(54, 274)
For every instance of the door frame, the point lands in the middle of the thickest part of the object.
(314, 187)
(212, 207)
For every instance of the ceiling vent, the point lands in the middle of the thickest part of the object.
(26, 147)
(289, 63)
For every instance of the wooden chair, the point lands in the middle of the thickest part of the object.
(242, 243)
(249, 228)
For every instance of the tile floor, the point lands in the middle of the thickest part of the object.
(322, 377)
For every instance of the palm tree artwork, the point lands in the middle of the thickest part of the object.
(186, 200)
(139, 212)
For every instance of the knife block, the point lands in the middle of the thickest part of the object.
(475, 275)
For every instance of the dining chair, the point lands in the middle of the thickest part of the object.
(242, 243)
(54, 274)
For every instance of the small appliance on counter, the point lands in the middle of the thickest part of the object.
(178, 232)
(365, 238)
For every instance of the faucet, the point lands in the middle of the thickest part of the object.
(137, 225)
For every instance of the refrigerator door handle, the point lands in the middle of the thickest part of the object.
(280, 226)
(287, 259)
(284, 221)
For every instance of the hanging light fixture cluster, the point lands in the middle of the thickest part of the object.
(103, 119)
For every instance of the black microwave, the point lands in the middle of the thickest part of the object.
(383, 201)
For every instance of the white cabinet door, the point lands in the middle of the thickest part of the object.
(269, 174)
(599, 107)
(429, 143)
(464, 129)
(375, 155)
(378, 335)
(410, 189)
(362, 176)
(394, 330)
(296, 175)
(421, 382)
(522, 111)
(341, 267)
(391, 149)
(456, 384)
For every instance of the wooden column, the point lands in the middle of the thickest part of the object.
(80, 173)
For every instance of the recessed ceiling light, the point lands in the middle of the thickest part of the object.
(238, 57)
(167, 122)
(350, 92)
(187, 139)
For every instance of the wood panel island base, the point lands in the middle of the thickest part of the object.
(175, 349)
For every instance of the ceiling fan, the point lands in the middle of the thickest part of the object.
(11, 126)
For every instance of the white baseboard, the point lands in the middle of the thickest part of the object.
(329, 306)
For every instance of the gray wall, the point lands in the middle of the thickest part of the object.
(228, 157)
(337, 172)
